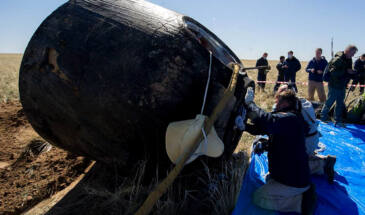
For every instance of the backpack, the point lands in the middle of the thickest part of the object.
(327, 73)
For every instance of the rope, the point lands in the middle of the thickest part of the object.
(155, 195)
(302, 83)
(208, 81)
(204, 101)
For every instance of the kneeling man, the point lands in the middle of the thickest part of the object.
(288, 187)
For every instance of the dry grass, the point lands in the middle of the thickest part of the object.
(130, 193)
(226, 192)
(9, 74)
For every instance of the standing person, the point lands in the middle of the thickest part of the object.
(261, 76)
(315, 69)
(360, 76)
(288, 187)
(281, 67)
(293, 67)
(340, 69)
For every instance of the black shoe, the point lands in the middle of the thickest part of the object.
(329, 168)
(309, 201)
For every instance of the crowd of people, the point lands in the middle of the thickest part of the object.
(338, 73)
(291, 127)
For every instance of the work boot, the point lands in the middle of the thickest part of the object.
(309, 201)
(329, 168)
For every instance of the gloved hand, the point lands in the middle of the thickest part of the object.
(260, 145)
(250, 95)
(240, 120)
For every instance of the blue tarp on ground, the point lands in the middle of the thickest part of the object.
(347, 194)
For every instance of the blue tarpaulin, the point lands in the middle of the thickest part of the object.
(345, 196)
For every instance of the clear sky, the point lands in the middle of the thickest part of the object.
(248, 27)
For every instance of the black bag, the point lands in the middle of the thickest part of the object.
(327, 74)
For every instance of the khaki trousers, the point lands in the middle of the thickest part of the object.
(316, 86)
(279, 197)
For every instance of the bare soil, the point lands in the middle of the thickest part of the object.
(27, 178)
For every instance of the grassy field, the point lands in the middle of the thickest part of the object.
(9, 74)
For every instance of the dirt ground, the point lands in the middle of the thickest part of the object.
(27, 177)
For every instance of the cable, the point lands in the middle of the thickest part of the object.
(208, 81)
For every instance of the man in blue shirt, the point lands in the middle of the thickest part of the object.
(315, 69)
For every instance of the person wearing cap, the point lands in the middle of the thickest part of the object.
(261, 76)
(315, 70)
(288, 187)
(340, 70)
(281, 67)
(293, 67)
(360, 74)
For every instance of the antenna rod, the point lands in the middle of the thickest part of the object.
(332, 47)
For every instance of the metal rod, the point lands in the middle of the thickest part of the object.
(256, 67)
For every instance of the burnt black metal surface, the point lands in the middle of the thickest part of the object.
(103, 78)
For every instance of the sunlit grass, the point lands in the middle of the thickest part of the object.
(9, 74)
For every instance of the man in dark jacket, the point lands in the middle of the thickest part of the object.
(288, 187)
(315, 69)
(340, 68)
(281, 67)
(360, 74)
(293, 67)
(261, 76)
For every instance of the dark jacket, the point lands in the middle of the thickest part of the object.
(288, 160)
(359, 67)
(280, 68)
(316, 65)
(262, 62)
(338, 68)
(293, 65)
